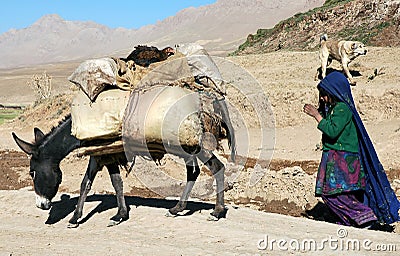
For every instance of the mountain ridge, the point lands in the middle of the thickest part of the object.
(220, 27)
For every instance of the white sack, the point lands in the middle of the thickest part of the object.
(99, 119)
(93, 75)
(167, 116)
(201, 64)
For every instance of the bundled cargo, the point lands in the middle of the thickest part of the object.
(174, 102)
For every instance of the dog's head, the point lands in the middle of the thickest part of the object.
(355, 49)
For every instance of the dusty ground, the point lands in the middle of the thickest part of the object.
(282, 155)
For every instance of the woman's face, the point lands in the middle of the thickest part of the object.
(325, 98)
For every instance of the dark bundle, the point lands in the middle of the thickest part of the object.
(145, 55)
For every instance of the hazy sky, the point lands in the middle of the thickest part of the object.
(123, 13)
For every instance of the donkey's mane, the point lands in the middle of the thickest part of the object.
(52, 132)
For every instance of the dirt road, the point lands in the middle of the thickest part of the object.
(149, 232)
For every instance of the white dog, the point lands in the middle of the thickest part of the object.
(342, 51)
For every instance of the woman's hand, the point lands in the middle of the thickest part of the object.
(312, 111)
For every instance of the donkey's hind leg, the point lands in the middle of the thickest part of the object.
(217, 168)
(93, 168)
(117, 183)
(193, 171)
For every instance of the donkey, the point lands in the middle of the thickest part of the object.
(48, 150)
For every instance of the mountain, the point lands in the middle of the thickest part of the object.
(373, 22)
(220, 27)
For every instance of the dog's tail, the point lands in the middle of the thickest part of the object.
(323, 38)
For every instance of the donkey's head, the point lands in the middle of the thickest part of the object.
(44, 169)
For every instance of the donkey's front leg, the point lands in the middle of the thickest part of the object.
(193, 171)
(117, 183)
(92, 169)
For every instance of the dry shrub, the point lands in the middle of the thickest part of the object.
(41, 85)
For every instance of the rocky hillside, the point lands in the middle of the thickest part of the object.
(374, 22)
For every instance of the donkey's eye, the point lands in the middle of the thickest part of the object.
(32, 173)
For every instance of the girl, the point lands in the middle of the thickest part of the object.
(350, 180)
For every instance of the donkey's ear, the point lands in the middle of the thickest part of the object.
(27, 147)
(38, 134)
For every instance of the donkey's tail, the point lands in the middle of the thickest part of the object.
(223, 110)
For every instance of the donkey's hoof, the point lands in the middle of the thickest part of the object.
(212, 218)
(116, 220)
(169, 214)
(218, 213)
(113, 223)
(73, 225)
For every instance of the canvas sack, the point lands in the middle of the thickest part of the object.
(100, 119)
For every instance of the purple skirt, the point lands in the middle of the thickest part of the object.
(350, 209)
